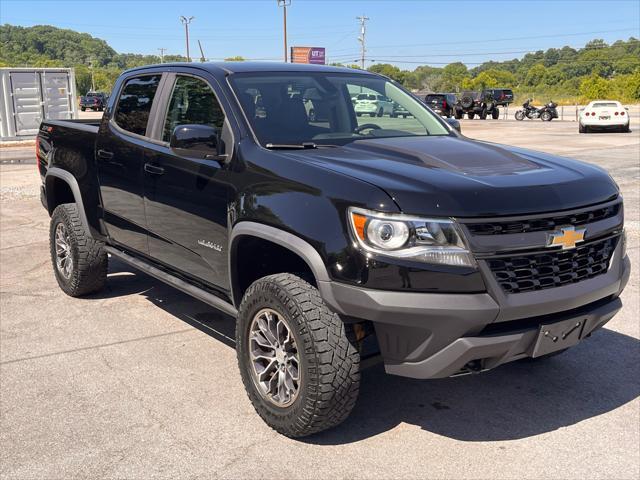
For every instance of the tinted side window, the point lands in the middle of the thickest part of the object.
(192, 102)
(134, 104)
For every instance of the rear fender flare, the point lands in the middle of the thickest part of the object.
(70, 180)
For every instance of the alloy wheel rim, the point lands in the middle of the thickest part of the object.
(64, 259)
(274, 358)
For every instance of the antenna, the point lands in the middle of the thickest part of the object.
(361, 38)
(202, 58)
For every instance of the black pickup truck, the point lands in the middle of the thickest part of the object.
(333, 241)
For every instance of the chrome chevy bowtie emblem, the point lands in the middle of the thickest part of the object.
(566, 237)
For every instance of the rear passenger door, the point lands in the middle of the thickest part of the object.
(120, 152)
(187, 194)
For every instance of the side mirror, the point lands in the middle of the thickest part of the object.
(203, 139)
(453, 123)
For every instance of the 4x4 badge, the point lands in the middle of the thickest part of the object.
(567, 237)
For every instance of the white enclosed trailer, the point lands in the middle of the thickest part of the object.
(29, 95)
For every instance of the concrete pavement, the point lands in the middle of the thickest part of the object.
(141, 381)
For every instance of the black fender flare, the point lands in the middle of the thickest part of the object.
(70, 180)
(291, 242)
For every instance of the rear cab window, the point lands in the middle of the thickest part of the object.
(134, 103)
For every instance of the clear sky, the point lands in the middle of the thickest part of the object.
(407, 33)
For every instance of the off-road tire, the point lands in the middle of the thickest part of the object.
(483, 115)
(495, 114)
(329, 361)
(471, 115)
(458, 115)
(89, 271)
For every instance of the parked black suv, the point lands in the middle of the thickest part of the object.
(482, 104)
(95, 101)
(331, 241)
(441, 103)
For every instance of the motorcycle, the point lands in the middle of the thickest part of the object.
(545, 113)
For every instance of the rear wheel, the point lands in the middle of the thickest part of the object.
(458, 115)
(79, 261)
(483, 115)
(625, 129)
(82, 108)
(581, 128)
(495, 114)
(546, 116)
(471, 115)
(380, 112)
(297, 359)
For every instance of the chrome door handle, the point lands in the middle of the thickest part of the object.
(153, 169)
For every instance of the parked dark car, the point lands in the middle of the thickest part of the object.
(333, 244)
(441, 103)
(94, 101)
(482, 103)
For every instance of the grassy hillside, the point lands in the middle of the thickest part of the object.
(566, 75)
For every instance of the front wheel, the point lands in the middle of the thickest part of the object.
(79, 261)
(495, 114)
(520, 115)
(471, 115)
(298, 363)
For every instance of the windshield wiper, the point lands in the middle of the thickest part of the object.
(297, 146)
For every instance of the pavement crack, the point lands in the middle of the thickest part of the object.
(93, 347)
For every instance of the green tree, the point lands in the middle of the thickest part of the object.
(237, 58)
(594, 88)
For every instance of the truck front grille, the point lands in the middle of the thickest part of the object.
(543, 224)
(539, 271)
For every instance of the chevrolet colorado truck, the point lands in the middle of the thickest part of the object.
(335, 240)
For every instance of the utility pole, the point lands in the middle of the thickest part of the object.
(186, 21)
(91, 67)
(284, 4)
(162, 50)
(202, 57)
(361, 38)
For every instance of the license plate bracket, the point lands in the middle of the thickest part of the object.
(558, 336)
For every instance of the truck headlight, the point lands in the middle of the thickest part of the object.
(428, 240)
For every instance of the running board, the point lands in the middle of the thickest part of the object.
(175, 282)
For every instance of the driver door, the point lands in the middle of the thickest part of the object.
(186, 195)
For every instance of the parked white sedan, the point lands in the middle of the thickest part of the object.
(604, 114)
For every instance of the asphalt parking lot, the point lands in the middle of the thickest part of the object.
(141, 381)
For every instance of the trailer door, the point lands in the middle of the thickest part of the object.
(57, 97)
(27, 102)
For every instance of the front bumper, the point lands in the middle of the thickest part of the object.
(431, 335)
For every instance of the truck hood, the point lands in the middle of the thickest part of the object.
(456, 176)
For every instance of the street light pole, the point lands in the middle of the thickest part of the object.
(284, 4)
(186, 21)
(162, 50)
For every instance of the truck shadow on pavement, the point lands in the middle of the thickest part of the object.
(515, 401)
